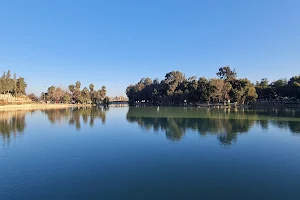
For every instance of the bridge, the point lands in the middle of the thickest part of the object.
(118, 100)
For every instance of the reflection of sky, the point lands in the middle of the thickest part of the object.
(117, 113)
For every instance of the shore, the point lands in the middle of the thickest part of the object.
(40, 106)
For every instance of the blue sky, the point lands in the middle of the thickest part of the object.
(115, 43)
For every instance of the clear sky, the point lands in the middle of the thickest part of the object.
(115, 43)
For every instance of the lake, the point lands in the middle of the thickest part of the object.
(150, 153)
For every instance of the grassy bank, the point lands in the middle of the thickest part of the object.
(32, 106)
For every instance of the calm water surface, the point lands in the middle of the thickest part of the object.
(150, 153)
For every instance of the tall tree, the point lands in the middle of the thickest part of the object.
(15, 84)
(172, 79)
(226, 73)
(206, 89)
(86, 95)
(72, 88)
(21, 86)
(78, 85)
(294, 85)
(103, 92)
(50, 93)
(92, 93)
(280, 88)
(58, 94)
(91, 86)
(77, 93)
(243, 90)
(264, 90)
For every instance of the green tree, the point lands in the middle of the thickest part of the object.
(106, 101)
(86, 95)
(78, 85)
(58, 94)
(243, 90)
(33, 98)
(15, 84)
(103, 92)
(294, 87)
(67, 98)
(8, 81)
(92, 93)
(50, 93)
(77, 93)
(80, 99)
(264, 90)
(2, 83)
(225, 73)
(91, 86)
(172, 79)
(220, 92)
(72, 88)
(98, 96)
(280, 88)
(21, 86)
(206, 89)
(175, 89)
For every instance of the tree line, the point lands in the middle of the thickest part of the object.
(12, 85)
(74, 94)
(279, 89)
(176, 89)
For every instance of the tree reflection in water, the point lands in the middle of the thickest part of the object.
(12, 123)
(74, 116)
(225, 124)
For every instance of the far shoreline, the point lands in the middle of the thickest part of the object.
(44, 106)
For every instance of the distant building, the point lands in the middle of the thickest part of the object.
(118, 99)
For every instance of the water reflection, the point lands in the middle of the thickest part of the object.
(11, 124)
(293, 126)
(225, 124)
(77, 115)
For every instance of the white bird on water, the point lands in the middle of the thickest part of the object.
(157, 108)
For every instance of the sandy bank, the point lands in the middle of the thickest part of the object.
(39, 106)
